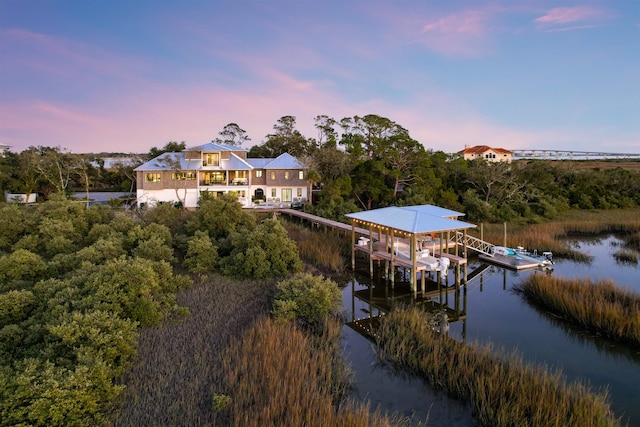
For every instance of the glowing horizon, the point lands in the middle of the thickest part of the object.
(123, 77)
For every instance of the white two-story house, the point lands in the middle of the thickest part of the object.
(218, 169)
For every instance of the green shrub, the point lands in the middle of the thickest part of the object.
(307, 298)
(21, 265)
(202, 255)
(221, 402)
(266, 252)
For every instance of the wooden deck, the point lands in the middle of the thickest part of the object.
(511, 262)
(381, 253)
(318, 220)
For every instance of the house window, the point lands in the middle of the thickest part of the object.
(183, 176)
(152, 177)
(299, 192)
(286, 175)
(273, 192)
(300, 174)
(286, 194)
(211, 159)
(214, 178)
(273, 175)
(258, 174)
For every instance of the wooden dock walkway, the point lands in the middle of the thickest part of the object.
(318, 220)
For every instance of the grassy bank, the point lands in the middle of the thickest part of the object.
(548, 236)
(277, 375)
(325, 251)
(229, 364)
(503, 390)
(599, 306)
(179, 366)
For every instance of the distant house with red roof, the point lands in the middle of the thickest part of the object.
(487, 153)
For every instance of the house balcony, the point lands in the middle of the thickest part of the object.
(233, 182)
(240, 181)
(212, 182)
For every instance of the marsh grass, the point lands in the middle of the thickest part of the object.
(503, 390)
(633, 241)
(548, 236)
(598, 306)
(323, 250)
(626, 256)
(279, 376)
(179, 371)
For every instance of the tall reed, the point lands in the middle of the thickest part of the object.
(278, 376)
(599, 306)
(503, 390)
(548, 236)
(323, 250)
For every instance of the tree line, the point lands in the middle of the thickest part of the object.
(365, 162)
(360, 163)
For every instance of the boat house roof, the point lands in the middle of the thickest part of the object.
(421, 219)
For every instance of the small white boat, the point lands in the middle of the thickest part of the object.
(423, 257)
(520, 254)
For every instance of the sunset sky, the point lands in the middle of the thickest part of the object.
(124, 76)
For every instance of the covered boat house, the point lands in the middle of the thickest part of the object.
(421, 238)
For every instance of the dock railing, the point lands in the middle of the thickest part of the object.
(473, 243)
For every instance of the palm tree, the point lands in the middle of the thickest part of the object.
(313, 177)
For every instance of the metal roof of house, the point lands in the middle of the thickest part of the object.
(236, 163)
(284, 161)
(259, 163)
(413, 219)
(211, 146)
(164, 162)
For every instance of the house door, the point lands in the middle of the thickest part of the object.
(286, 194)
(259, 194)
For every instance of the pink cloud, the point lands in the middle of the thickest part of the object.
(465, 22)
(465, 33)
(564, 15)
(557, 19)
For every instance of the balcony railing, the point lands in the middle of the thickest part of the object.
(235, 181)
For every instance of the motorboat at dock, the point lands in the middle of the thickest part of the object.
(519, 258)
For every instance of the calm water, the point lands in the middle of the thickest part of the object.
(102, 197)
(496, 314)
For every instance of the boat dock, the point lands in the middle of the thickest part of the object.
(512, 262)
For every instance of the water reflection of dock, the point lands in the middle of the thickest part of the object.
(378, 299)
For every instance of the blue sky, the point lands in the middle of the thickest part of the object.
(124, 76)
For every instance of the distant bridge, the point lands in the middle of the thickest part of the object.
(571, 155)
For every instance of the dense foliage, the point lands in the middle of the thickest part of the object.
(76, 284)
